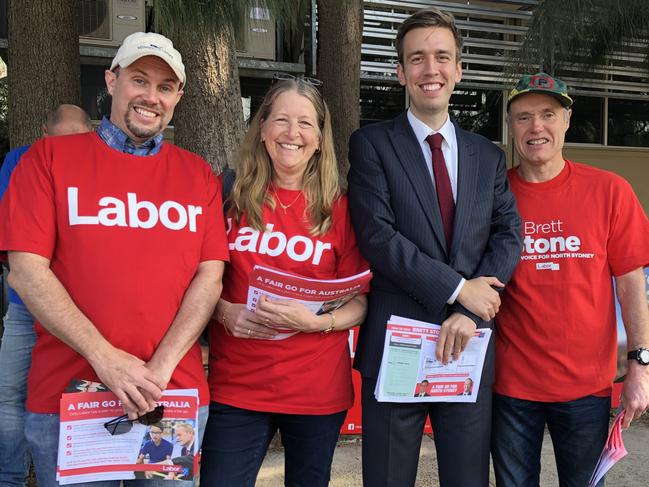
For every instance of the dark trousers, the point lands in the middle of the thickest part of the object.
(392, 435)
(578, 430)
(236, 441)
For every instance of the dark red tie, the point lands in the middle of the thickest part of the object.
(443, 186)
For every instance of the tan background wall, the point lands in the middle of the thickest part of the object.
(631, 164)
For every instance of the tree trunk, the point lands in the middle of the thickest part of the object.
(43, 69)
(340, 33)
(209, 117)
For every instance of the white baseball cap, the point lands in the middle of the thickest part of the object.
(140, 44)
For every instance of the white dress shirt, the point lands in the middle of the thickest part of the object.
(449, 149)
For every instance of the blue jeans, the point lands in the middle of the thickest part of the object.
(42, 433)
(578, 430)
(236, 441)
(15, 359)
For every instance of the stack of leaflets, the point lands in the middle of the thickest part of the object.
(319, 295)
(612, 453)
(89, 453)
(410, 372)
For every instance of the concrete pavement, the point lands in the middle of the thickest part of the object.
(632, 471)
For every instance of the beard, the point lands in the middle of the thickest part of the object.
(138, 130)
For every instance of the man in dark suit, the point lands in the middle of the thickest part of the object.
(467, 390)
(421, 389)
(435, 218)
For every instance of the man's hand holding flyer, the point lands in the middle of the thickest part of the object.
(410, 372)
(319, 295)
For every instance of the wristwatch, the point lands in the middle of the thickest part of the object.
(641, 355)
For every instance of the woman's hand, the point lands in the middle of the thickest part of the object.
(289, 313)
(239, 322)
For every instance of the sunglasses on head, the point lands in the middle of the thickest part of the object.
(291, 77)
(122, 424)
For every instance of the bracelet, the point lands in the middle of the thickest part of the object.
(332, 324)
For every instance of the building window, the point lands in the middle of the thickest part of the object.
(254, 89)
(478, 111)
(628, 123)
(94, 98)
(586, 122)
(381, 101)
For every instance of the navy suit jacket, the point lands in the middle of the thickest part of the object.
(398, 225)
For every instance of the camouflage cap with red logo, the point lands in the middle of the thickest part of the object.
(541, 83)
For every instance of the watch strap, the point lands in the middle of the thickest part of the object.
(635, 355)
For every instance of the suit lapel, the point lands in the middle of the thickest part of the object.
(411, 158)
(467, 179)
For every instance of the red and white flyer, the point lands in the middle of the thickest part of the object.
(162, 450)
(612, 453)
(319, 295)
(410, 372)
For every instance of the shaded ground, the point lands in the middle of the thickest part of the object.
(632, 471)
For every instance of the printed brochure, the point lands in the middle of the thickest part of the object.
(319, 295)
(410, 372)
(163, 450)
(612, 453)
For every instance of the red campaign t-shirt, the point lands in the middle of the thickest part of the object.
(73, 201)
(556, 334)
(307, 373)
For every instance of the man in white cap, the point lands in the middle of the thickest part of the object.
(118, 254)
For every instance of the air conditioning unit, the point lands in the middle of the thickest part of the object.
(108, 22)
(257, 37)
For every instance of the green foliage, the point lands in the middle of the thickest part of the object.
(564, 32)
(174, 16)
(293, 28)
(4, 122)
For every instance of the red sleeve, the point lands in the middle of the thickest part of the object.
(215, 242)
(349, 258)
(28, 210)
(628, 241)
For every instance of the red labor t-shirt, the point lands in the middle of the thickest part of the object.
(125, 235)
(556, 329)
(307, 373)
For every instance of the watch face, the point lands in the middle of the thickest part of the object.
(643, 356)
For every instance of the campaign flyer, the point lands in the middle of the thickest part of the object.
(165, 449)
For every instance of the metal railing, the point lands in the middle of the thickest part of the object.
(492, 32)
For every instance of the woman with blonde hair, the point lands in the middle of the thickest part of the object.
(286, 210)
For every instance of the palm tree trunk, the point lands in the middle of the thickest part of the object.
(209, 117)
(43, 69)
(340, 32)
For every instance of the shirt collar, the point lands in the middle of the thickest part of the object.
(116, 139)
(421, 130)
